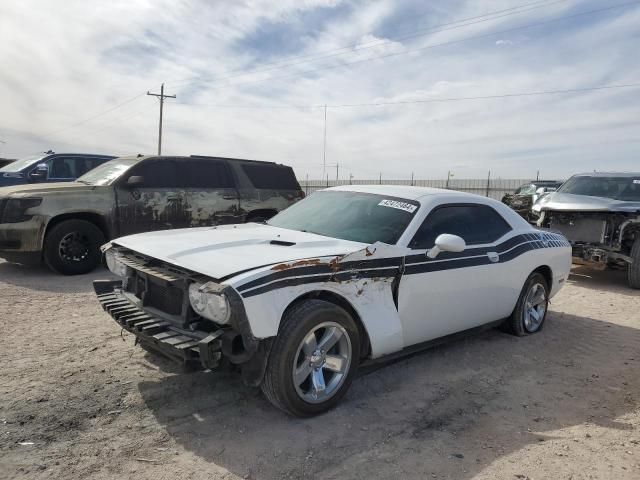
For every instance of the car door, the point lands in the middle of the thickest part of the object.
(211, 192)
(156, 203)
(454, 291)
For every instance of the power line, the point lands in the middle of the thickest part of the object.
(81, 122)
(418, 101)
(428, 47)
(375, 43)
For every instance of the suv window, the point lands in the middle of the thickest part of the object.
(84, 164)
(273, 177)
(476, 224)
(204, 174)
(61, 167)
(156, 173)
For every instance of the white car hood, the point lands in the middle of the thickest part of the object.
(222, 251)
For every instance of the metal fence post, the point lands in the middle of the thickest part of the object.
(488, 183)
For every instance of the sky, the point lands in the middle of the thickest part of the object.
(252, 78)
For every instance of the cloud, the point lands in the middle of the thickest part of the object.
(65, 63)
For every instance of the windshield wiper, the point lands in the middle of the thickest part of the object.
(84, 181)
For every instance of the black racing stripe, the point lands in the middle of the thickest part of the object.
(386, 267)
(290, 272)
(287, 282)
(322, 268)
(357, 274)
(434, 266)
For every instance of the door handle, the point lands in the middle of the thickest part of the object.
(493, 256)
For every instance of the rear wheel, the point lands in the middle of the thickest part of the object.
(72, 247)
(633, 270)
(313, 359)
(531, 310)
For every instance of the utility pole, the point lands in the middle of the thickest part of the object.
(161, 96)
(324, 143)
(337, 166)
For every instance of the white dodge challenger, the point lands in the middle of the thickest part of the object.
(345, 277)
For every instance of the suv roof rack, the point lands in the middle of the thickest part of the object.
(235, 159)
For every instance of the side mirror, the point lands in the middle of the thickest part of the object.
(447, 243)
(40, 173)
(135, 181)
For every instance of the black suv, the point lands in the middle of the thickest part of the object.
(65, 223)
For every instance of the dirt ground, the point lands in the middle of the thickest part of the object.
(77, 400)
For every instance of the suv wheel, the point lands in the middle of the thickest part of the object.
(633, 270)
(313, 359)
(72, 247)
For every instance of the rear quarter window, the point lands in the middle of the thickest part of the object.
(272, 177)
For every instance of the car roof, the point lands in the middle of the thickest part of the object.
(608, 174)
(206, 157)
(56, 154)
(402, 191)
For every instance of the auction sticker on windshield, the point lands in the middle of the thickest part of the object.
(407, 207)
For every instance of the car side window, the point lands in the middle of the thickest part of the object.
(156, 174)
(61, 168)
(476, 224)
(205, 174)
(84, 164)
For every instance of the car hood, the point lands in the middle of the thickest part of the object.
(43, 188)
(220, 252)
(569, 202)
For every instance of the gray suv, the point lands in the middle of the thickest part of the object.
(64, 224)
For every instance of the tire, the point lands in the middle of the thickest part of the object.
(633, 270)
(304, 327)
(522, 321)
(72, 247)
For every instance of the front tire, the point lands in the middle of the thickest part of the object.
(313, 359)
(72, 247)
(531, 310)
(633, 270)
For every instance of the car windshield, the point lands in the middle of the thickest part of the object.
(19, 165)
(355, 216)
(617, 188)
(527, 189)
(109, 171)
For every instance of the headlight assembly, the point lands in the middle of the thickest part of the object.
(213, 306)
(15, 209)
(115, 265)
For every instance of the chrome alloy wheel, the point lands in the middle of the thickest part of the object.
(535, 307)
(322, 362)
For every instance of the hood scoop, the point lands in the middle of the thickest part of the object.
(282, 243)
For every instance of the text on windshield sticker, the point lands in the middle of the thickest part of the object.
(407, 207)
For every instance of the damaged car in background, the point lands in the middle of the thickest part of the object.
(349, 276)
(65, 224)
(600, 215)
(527, 195)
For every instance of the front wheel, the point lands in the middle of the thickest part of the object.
(531, 310)
(633, 270)
(313, 359)
(72, 247)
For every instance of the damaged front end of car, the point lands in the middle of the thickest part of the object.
(185, 316)
(598, 238)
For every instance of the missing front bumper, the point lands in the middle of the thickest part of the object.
(197, 348)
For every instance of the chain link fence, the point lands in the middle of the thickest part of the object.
(494, 188)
